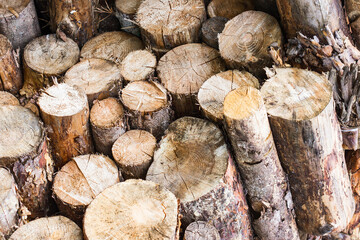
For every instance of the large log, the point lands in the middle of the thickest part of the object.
(193, 162)
(138, 65)
(229, 8)
(268, 192)
(134, 209)
(308, 140)
(126, 13)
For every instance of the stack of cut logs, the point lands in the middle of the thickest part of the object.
(180, 119)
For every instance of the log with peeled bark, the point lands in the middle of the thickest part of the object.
(210, 30)
(79, 182)
(265, 181)
(107, 119)
(10, 73)
(183, 70)
(213, 91)
(112, 46)
(133, 152)
(57, 227)
(229, 8)
(245, 40)
(126, 13)
(7, 98)
(148, 106)
(19, 22)
(170, 23)
(135, 209)
(201, 230)
(25, 152)
(99, 78)
(44, 58)
(65, 112)
(305, 128)
(193, 162)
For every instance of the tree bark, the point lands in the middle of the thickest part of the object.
(7, 98)
(210, 30)
(268, 192)
(229, 8)
(201, 231)
(138, 65)
(126, 13)
(304, 126)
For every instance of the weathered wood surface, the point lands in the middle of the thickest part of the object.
(138, 65)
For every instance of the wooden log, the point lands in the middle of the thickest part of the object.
(9, 204)
(192, 161)
(304, 126)
(57, 227)
(134, 209)
(107, 119)
(19, 22)
(74, 18)
(170, 23)
(229, 8)
(80, 180)
(25, 152)
(44, 58)
(245, 40)
(65, 112)
(99, 78)
(183, 70)
(133, 152)
(7, 98)
(148, 106)
(213, 91)
(268, 192)
(138, 65)
(201, 230)
(10, 73)
(126, 13)
(210, 30)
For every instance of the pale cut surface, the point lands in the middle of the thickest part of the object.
(106, 113)
(191, 159)
(57, 227)
(212, 93)
(7, 98)
(62, 100)
(134, 209)
(22, 129)
(128, 6)
(296, 94)
(49, 55)
(144, 96)
(5, 45)
(112, 46)
(185, 68)
(15, 5)
(228, 8)
(137, 65)
(201, 230)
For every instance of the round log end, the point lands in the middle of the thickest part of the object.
(201, 230)
(138, 65)
(7, 98)
(107, 113)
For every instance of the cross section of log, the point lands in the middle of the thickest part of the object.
(201, 230)
(7, 98)
(138, 65)
(228, 8)
(126, 13)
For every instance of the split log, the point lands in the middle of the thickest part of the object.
(65, 113)
(170, 23)
(19, 22)
(25, 152)
(57, 227)
(183, 70)
(210, 30)
(229, 8)
(138, 65)
(44, 58)
(133, 152)
(245, 40)
(107, 121)
(99, 78)
(192, 161)
(80, 180)
(304, 126)
(134, 209)
(7, 98)
(148, 106)
(213, 91)
(126, 12)
(112, 46)
(10, 73)
(201, 231)
(75, 18)
(9, 204)
(268, 192)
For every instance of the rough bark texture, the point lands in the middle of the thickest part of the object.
(134, 209)
(192, 161)
(304, 126)
(264, 179)
(19, 22)
(138, 65)
(65, 113)
(7, 98)
(229, 8)
(10, 73)
(126, 13)
(201, 231)
(210, 30)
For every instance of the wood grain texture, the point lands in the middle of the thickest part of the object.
(229, 8)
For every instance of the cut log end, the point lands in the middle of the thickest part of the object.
(107, 113)
(201, 230)
(7, 98)
(138, 65)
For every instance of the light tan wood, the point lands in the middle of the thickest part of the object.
(134, 209)
(228, 8)
(7, 98)
(201, 231)
(138, 65)
(126, 13)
